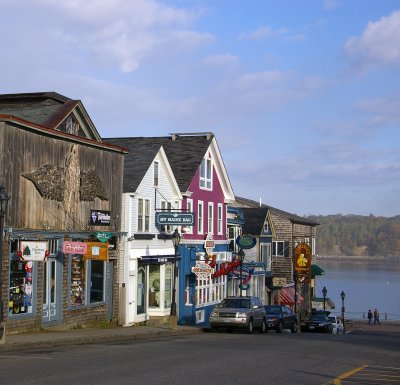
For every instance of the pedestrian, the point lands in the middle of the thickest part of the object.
(376, 317)
(369, 317)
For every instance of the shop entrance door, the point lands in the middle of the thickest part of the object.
(51, 290)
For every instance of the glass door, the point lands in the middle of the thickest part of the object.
(141, 291)
(51, 291)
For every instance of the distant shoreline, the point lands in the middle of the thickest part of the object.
(358, 258)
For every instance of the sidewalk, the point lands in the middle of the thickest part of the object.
(92, 335)
(362, 326)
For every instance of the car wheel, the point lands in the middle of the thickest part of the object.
(294, 328)
(263, 327)
(279, 329)
(249, 328)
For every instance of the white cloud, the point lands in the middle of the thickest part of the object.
(329, 5)
(265, 32)
(221, 60)
(378, 45)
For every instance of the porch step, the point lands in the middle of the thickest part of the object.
(158, 321)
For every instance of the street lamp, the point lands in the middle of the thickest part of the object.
(295, 291)
(176, 239)
(3, 209)
(343, 295)
(324, 291)
(241, 259)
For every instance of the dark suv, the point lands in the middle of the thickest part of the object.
(280, 317)
(246, 313)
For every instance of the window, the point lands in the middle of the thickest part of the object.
(143, 215)
(97, 280)
(200, 213)
(77, 280)
(155, 173)
(278, 248)
(210, 218)
(265, 255)
(206, 174)
(211, 290)
(166, 206)
(220, 219)
(189, 207)
(266, 228)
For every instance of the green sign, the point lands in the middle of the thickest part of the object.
(178, 219)
(103, 236)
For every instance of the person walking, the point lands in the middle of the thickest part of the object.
(376, 317)
(369, 317)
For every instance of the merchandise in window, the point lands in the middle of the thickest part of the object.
(21, 287)
(154, 285)
(77, 294)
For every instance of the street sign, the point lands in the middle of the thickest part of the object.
(246, 241)
(178, 219)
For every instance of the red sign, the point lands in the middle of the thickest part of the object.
(70, 247)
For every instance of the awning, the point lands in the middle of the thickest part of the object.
(316, 270)
(158, 259)
(287, 296)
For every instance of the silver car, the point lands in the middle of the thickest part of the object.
(246, 313)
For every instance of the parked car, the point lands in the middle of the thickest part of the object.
(280, 317)
(245, 312)
(336, 324)
(317, 323)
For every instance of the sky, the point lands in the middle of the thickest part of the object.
(302, 95)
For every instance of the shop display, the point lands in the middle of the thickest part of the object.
(77, 280)
(21, 287)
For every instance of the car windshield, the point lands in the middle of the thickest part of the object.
(235, 303)
(318, 318)
(273, 309)
(332, 319)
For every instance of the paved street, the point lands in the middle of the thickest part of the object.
(215, 358)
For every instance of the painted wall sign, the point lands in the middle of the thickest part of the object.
(100, 218)
(246, 241)
(70, 247)
(302, 262)
(33, 251)
(97, 250)
(179, 219)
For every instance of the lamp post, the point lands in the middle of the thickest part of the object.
(343, 295)
(295, 291)
(241, 259)
(324, 291)
(3, 209)
(176, 239)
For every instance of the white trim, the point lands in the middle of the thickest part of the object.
(200, 218)
(210, 221)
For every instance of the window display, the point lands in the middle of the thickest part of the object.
(77, 293)
(154, 284)
(21, 287)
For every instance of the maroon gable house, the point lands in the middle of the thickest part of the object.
(62, 225)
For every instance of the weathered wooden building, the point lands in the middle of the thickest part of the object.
(62, 225)
(290, 230)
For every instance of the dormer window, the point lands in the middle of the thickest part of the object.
(206, 174)
(266, 227)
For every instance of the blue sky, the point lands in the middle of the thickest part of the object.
(303, 95)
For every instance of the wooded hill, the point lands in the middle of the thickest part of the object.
(358, 235)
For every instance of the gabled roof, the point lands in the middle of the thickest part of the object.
(254, 219)
(185, 153)
(244, 202)
(48, 113)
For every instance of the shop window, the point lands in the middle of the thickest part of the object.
(21, 287)
(154, 285)
(97, 281)
(168, 285)
(77, 292)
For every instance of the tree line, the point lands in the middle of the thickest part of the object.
(357, 235)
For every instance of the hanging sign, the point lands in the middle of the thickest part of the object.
(246, 241)
(302, 262)
(103, 236)
(70, 247)
(209, 244)
(97, 250)
(202, 269)
(179, 219)
(33, 251)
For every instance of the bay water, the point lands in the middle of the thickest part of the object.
(368, 284)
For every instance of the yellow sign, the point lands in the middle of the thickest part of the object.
(97, 250)
(302, 262)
